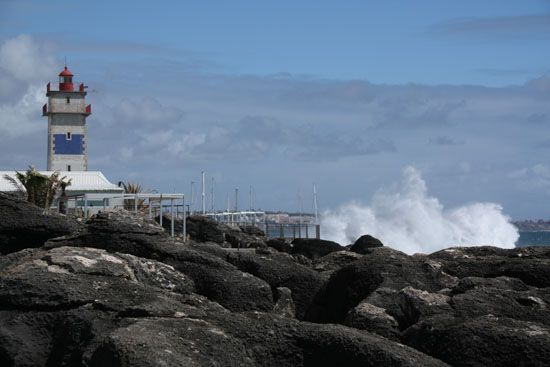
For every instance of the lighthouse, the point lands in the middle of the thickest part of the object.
(67, 133)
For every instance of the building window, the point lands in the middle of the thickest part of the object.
(69, 136)
(68, 99)
(69, 168)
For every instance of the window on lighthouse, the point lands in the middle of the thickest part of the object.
(68, 136)
(68, 99)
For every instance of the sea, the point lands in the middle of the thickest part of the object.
(541, 238)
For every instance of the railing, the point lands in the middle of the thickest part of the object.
(87, 110)
(284, 230)
(49, 88)
(292, 230)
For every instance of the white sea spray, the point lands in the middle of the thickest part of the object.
(408, 219)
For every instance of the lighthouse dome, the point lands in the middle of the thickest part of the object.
(66, 72)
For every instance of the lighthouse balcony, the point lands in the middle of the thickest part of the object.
(51, 90)
(86, 111)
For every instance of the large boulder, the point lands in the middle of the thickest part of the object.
(248, 340)
(252, 230)
(279, 244)
(529, 264)
(501, 297)
(383, 267)
(24, 225)
(364, 243)
(68, 277)
(313, 248)
(280, 270)
(482, 341)
(366, 316)
(334, 261)
(53, 303)
(125, 232)
(203, 229)
(417, 304)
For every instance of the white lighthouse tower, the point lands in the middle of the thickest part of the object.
(67, 134)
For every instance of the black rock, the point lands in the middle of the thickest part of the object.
(334, 261)
(252, 230)
(417, 304)
(482, 341)
(313, 248)
(279, 244)
(125, 232)
(24, 225)
(383, 267)
(280, 270)
(86, 307)
(364, 243)
(204, 229)
(529, 264)
(285, 305)
(366, 316)
(501, 297)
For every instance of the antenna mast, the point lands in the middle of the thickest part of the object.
(212, 194)
(192, 196)
(203, 196)
(315, 207)
(301, 208)
(250, 197)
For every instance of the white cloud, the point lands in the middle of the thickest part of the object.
(535, 178)
(25, 116)
(27, 60)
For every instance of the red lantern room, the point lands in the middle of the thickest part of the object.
(66, 80)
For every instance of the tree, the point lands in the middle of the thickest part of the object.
(39, 189)
(133, 188)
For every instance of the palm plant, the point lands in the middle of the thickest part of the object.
(132, 188)
(39, 189)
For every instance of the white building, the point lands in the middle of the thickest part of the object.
(82, 182)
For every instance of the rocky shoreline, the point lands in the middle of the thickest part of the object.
(118, 291)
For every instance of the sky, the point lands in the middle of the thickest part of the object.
(282, 95)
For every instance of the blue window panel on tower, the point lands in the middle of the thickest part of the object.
(64, 146)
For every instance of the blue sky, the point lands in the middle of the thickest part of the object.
(282, 94)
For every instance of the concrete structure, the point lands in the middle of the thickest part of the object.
(67, 134)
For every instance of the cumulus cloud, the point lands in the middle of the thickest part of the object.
(408, 219)
(535, 178)
(27, 60)
(23, 117)
(24, 66)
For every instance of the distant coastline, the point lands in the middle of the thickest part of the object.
(530, 225)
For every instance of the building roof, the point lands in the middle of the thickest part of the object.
(80, 181)
(66, 72)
